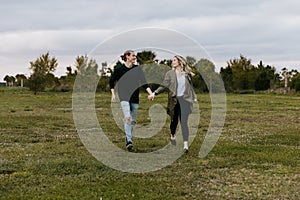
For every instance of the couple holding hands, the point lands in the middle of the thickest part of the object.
(177, 82)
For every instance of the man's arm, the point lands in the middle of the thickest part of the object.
(113, 96)
(149, 90)
(112, 81)
(143, 80)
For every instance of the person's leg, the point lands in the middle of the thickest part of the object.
(184, 125)
(184, 115)
(174, 120)
(127, 120)
(133, 111)
(185, 130)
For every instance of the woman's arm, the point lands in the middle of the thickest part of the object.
(164, 85)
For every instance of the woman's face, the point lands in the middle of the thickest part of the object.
(175, 62)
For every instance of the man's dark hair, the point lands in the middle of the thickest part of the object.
(126, 53)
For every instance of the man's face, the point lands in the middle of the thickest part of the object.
(131, 58)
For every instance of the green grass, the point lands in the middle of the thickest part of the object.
(42, 157)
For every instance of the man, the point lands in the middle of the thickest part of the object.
(130, 78)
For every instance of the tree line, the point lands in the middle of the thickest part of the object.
(240, 75)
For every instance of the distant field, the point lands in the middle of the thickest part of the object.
(42, 157)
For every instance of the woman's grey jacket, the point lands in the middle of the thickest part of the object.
(170, 83)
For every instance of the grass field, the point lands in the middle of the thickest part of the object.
(42, 157)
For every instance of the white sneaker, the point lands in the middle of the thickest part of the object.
(185, 146)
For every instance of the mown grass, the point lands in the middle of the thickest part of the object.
(42, 157)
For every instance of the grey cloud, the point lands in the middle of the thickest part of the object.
(260, 29)
(48, 15)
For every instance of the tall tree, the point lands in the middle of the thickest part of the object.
(42, 69)
(226, 75)
(87, 73)
(287, 76)
(243, 73)
(265, 77)
(81, 63)
(190, 60)
(295, 81)
(207, 75)
(20, 79)
(145, 57)
(69, 70)
(10, 80)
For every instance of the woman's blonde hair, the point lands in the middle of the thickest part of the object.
(182, 62)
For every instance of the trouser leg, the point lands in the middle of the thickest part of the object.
(127, 120)
(174, 120)
(184, 114)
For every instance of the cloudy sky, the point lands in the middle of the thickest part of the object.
(266, 30)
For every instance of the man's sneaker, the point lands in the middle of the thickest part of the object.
(129, 145)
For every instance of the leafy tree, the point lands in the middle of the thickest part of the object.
(69, 70)
(145, 57)
(81, 63)
(205, 75)
(295, 82)
(65, 83)
(191, 60)
(103, 69)
(42, 76)
(103, 84)
(70, 75)
(87, 73)
(285, 75)
(51, 81)
(243, 73)
(166, 62)
(286, 78)
(240, 74)
(226, 75)
(21, 78)
(155, 73)
(265, 77)
(10, 80)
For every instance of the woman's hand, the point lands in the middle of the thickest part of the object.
(151, 96)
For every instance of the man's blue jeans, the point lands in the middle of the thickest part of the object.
(129, 110)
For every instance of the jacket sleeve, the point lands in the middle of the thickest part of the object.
(164, 85)
(193, 93)
(192, 88)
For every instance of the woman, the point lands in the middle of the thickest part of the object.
(181, 97)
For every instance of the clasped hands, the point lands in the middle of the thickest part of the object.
(151, 96)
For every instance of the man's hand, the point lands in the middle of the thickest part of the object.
(151, 96)
(113, 97)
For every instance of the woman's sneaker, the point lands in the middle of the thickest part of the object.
(185, 147)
